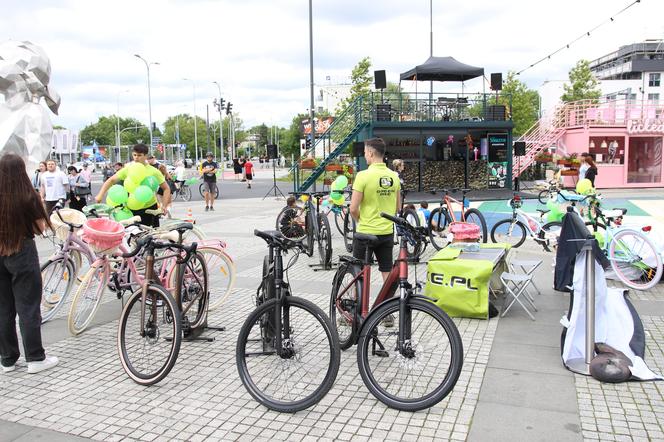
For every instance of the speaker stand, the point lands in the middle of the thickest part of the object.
(274, 187)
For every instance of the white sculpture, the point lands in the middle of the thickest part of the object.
(25, 126)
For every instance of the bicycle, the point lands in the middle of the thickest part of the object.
(441, 217)
(552, 189)
(201, 190)
(515, 229)
(183, 191)
(310, 224)
(151, 323)
(393, 363)
(287, 354)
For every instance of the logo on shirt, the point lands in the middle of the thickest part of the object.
(386, 182)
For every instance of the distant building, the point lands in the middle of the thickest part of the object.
(330, 96)
(66, 145)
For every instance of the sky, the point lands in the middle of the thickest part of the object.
(258, 50)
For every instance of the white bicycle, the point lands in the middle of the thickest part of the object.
(520, 225)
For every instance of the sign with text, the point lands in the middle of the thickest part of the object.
(322, 124)
(497, 147)
(645, 127)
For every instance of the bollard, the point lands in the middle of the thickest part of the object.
(582, 365)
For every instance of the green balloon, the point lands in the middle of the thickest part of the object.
(136, 171)
(121, 214)
(130, 185)
(111, 202)
(143, 194)
(133, 203)
(152, 182)
(118, 194)
(340, 183)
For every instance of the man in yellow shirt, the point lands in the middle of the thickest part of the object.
(375, 190)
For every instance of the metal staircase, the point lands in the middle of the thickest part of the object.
(345, 128)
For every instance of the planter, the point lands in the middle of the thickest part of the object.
(338, 168)
(569, 172)
(543, 160)
(564, 162)
(307, 164)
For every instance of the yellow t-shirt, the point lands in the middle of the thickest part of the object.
(380, 187)
(151, 171)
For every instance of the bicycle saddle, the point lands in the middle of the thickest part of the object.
(543, 211)
(181, 227)
(623, 210)
(372, 239)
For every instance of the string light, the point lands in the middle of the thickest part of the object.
(585, 34)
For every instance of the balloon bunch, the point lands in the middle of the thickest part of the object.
(337, 190)
(137, 192)
(584, 187)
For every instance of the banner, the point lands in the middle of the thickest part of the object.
(497, 173)
(322, 124)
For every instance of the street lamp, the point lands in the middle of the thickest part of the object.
(221, 130)
(147, 66)
(195, 122)
(117, 99)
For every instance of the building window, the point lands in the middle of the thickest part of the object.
(653, 80)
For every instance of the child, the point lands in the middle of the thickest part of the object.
(424, 213)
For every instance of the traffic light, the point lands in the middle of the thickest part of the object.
(229, 108)
(221, 103)
(307, 142)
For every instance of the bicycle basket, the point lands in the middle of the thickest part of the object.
(61, 229)
(516, 202)
(103, 235)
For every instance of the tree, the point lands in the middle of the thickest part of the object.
(524, 103)
(361, 83)
(104, 131)
(185, 123)
(583, 84)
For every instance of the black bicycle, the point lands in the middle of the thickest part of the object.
(287, 353)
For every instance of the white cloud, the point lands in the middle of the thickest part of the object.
(258, 49)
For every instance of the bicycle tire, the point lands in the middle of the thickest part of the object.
(326, 375)
(497, 235)
(369, 335)
(474, 216)
(349, 232)
(221, 275)
(324, 242)
(547, 229)
(309, 231)
(413, 219)
(167, 313)
(617, 246)
(437, 225)
(87, 299)
(194, 288)
(52, 299)
(344, 313)
(544, 196)
(339, 219)
(185, 193)
(202, 192)
(287, 223)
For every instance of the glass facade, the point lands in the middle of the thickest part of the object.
(644, 160)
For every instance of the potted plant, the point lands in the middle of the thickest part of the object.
(308, 163)
(544, 157)
(574, 159)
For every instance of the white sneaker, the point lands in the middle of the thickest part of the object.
(8, 369)
(37, 366)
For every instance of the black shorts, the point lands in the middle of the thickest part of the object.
(249, 177)
(146, 219)
(382, 250)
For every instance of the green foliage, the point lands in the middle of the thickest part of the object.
(57, 126)
(361, 81)
(583, 84)
(104, 131)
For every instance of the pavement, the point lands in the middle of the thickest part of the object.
(512, 387)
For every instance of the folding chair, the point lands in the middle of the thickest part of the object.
(514, 287)
(528, 267)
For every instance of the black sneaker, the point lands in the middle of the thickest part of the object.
(211, 209)
(207, 208)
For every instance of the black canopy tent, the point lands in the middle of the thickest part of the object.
(442, 69)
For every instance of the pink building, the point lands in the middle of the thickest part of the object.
(624, 136)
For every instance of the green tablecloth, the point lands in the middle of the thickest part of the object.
(459, 281)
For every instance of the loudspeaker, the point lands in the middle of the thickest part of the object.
(272, 151)
(495, 113)
(383, 112)
(519, 148)
(358, 149)
(496, 81)
(379, 80)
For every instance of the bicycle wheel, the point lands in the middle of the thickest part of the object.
(148, 355)
(202, 192)
(57, 282)
(349, 232)
(185, 193)
(345, 306)
(193, 283)
(635, 259)
(429, 364)
(509, 231)
(87, 299)
(309, 231)
(437, 225)
(474, 216)
(324, 241)
(413, 219)
(549, 235)
(544, 196)
(305, 372)
(221, 275)
(340, 219)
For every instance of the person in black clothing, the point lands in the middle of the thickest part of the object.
(209, 169)
(237, 169)
(22, 216)
(591, 173)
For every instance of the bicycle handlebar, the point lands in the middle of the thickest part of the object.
(150, 241)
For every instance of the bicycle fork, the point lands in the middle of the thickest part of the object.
(281, 318)
(405, 321)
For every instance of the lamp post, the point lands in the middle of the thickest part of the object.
(221, 130)
(117, 99)
(195, 121)
(147, 66)
(311, 77)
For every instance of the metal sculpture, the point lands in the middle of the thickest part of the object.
(25, 126)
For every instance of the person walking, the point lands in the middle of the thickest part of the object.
(53, 185)
(86, 173)
(375, 190)
(248, 172)
(79, 189)
(209, 170)
(22, 216)
(140, 154)
(36, 178)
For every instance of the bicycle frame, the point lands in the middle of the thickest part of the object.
(73, 243)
